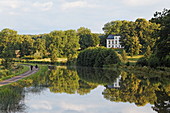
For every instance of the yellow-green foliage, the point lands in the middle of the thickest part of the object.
(134, 58)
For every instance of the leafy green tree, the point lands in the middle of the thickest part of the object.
(83, 30)
(56, 38)
(135, 46)
(162, 18)
(146, 32)
(8, 55)
(113, 27)
(162, 50)
(65, 42)
(53, 53)
(27, 45)
(87, 39)
(8, 44)
(10, 38)
(72, 44)
(40, 47)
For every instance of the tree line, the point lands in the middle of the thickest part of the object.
(150, 38)
(52, 45)
(141, 36)
(160, 55)
(135, 36)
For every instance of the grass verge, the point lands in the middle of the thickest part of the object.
(21, 71)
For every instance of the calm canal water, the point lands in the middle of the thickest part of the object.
(87, 90)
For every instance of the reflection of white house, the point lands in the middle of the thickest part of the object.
(113, 41)
(116, 83)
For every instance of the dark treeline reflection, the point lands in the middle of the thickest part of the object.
(120, 86)
(98, 75)
(141, 90)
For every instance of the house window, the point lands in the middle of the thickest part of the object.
(109, 41)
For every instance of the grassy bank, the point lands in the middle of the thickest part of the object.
(6, 74)
(33, 79)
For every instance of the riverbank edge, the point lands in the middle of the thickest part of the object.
(25, 69)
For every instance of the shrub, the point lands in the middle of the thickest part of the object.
(98, 56)
(37, 55)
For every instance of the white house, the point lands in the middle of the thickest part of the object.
(116, 83)
(113, 41)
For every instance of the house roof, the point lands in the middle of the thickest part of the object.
(112, 36)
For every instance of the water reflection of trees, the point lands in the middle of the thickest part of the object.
(63, 80)
(162, 104)
(98, 75)
(12, 99)
(138, 89)
(141, 90)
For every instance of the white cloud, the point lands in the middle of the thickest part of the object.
(13, 13)
(77, 4)
(76, 107)
(42, 105)
(6, 5)
(43, 6)
(140, 2)
(9, 3)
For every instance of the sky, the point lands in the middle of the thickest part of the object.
(44, 16)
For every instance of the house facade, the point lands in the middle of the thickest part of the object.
(113, 41)
(116, 83)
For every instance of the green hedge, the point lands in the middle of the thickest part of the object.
(98, 57)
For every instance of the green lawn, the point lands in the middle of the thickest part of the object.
(45, 60)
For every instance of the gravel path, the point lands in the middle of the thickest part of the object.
(19, 77)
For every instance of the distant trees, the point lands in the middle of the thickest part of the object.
(62, 43)
(8, 44)
(98, 56)
(87, 39)
(26, 45)
(161, 52)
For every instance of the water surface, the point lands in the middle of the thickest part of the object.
(87, 90)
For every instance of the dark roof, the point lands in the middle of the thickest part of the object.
(112, 36)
